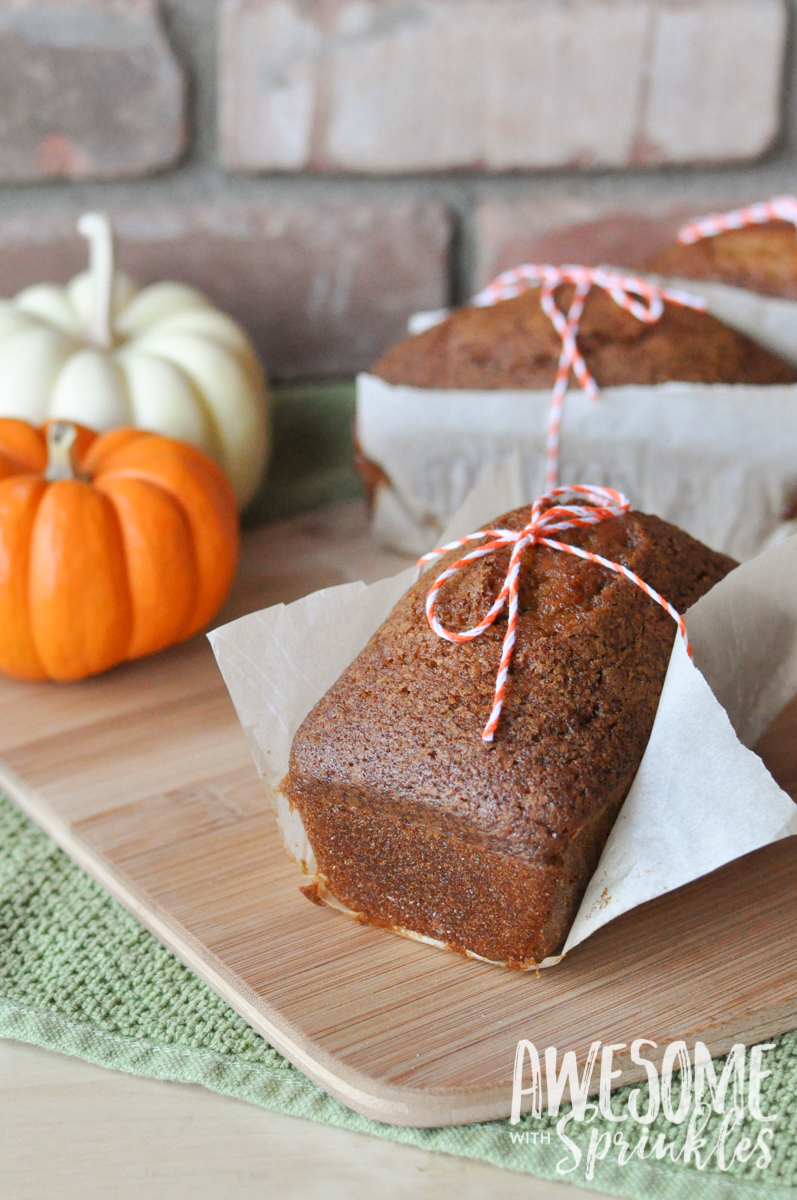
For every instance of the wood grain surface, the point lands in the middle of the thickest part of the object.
(74, 1131)
(143, 776)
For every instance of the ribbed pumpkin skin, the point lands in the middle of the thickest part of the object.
(135, 554)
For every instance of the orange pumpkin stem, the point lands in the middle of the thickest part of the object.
(61, 437)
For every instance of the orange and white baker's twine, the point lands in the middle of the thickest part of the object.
(607, 503)
(779, 208)
(642, 299)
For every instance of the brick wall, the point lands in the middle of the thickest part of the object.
(324, 167)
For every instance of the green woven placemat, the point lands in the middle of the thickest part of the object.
(78, 975)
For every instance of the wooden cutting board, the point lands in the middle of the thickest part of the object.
(143, 776)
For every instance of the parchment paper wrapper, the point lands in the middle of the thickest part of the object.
(700, 798)
(717, 460)
(720, 461)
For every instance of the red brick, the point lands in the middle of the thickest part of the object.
(566, 229)
(89, 89)
(434, 85)
(322, 288)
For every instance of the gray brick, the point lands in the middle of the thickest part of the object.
(89, 89)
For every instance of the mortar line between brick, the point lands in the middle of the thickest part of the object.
(643, 104)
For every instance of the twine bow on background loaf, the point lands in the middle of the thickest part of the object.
(644, 300)
(602, 503)
(779, 208)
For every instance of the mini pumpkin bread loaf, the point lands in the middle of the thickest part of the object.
(513, 344)
(419, 827)
(760, 258)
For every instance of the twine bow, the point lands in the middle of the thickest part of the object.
(644, 300)
(602, 503)
(779, 208)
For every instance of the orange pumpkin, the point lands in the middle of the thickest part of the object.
(111, 546)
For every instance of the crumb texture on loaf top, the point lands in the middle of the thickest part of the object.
(402, 726)
(513, 344)
(760, 258)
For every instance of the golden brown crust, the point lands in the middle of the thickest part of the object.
(414, 822)
(514, 345)
(760, 258)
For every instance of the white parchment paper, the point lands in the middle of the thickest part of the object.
(701, 798)
(720, 461)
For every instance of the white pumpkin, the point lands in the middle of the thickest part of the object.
(102, 353)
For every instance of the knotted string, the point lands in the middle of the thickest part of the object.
(602, 503)
(779, 208)
(644, 300)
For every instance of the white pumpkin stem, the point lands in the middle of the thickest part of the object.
(96, 228)
(60, 439)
